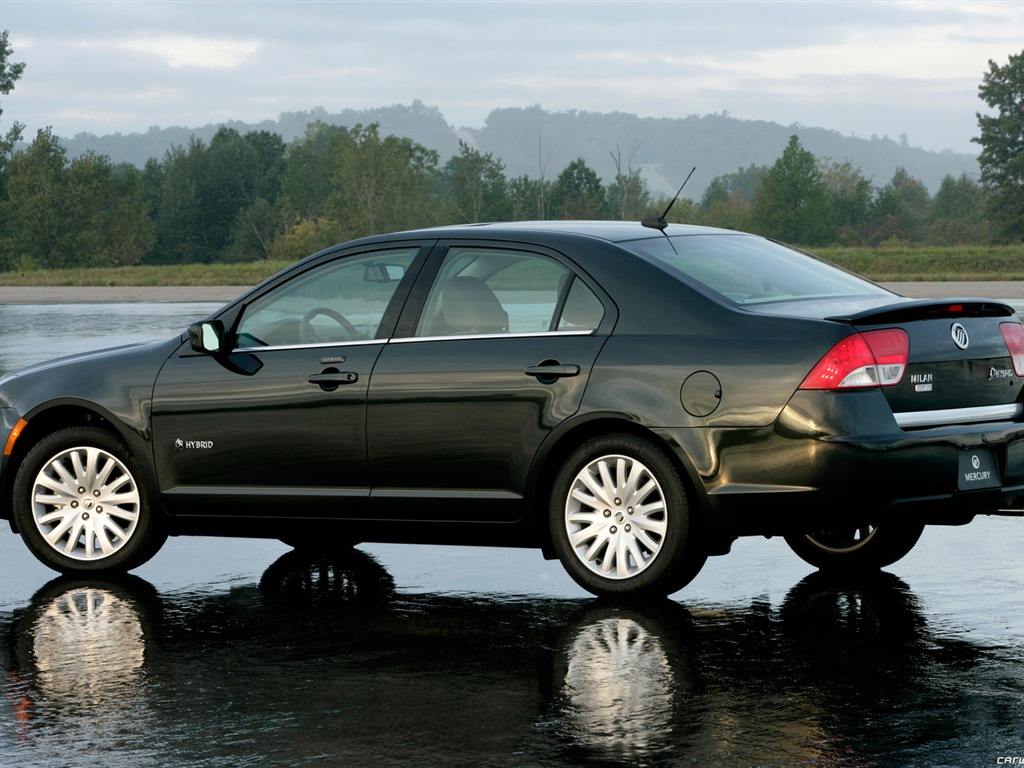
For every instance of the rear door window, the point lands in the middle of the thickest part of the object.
(487, 291)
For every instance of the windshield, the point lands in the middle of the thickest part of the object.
(748, 270)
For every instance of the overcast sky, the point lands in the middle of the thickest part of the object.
(861, 68)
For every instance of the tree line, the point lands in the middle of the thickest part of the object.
(244, 197)
(248, 197)
(809, 201)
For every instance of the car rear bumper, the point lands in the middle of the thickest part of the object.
(838, 459)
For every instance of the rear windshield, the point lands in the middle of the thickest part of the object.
(749, 270)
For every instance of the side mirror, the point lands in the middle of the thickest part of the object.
(206, 337)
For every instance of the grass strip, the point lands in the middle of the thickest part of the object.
(882, 264)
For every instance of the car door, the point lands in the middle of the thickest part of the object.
(499, 355)
(276, 426)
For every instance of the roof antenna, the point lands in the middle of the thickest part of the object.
(659, 222)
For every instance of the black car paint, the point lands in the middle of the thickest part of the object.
(820, 449)
(113, 386)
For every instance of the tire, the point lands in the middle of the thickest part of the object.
(80, 506)
(620, 520)
(856, 550)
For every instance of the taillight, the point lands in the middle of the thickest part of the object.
(1013, 335)
(869, 359)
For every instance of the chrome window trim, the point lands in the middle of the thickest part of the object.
(410, 339)
(946, 416)
(463, 337)
(326, 345)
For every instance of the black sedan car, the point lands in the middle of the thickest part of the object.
(628, 399)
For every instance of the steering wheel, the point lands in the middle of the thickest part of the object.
(308, 334)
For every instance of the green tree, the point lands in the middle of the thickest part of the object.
(306, 186)
(728, 200)
(308, 177)
(303, 237)
(744, 183)
(729, 210)
(958, 213)
(850, 195)
(527, 199)
(216, 202)
(88, 212)
(683, 211)
(10, 72)
(252, 232)
(384, 184)
(627, 196)
(152, 178)
(107, 212)
(181, 229)
(37, 231)
(1002, 144)
(792, 203)
(900, 210)
(577, 193)
(476, 186)
(242, 182)
(716, 193)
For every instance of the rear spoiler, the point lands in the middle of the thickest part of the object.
(927, 309)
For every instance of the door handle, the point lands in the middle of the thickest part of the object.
(330, 380)
(547, 373)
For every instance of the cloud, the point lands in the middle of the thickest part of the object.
(200, 53)
(910, 66)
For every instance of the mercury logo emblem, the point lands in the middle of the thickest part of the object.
(975, 462)
(959, 334)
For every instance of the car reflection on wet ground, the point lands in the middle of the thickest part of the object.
(398, 655)
(246, 653)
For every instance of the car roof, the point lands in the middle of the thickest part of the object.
(611, 231)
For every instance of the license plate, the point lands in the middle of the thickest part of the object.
(978, 469)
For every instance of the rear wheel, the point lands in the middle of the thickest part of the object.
(863, 549)
(80, 506)
(620, 520)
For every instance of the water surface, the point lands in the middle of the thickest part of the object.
(242, 652)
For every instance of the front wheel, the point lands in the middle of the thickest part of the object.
(80, 507)
(620, 521)
(856, 550)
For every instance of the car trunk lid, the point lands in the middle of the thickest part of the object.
(960, 367)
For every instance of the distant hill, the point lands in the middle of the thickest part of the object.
(533, 142)
(422, 124)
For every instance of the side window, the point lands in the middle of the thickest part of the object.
(343, 300)
(486, 291)
(582, 310)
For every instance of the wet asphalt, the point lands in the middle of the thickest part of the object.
(246, 653)
(242, 652)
